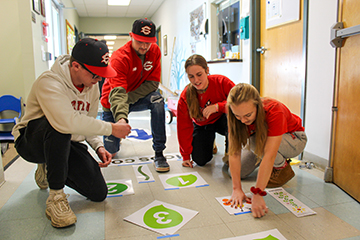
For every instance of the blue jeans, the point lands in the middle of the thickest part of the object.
(153, 101)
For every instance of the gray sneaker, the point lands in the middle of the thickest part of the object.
(40, 176)
(58, 210)
(161, 165)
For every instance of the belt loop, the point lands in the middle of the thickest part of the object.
(293, 136)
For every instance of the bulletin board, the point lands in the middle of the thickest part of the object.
(70, 37)
(280, 12)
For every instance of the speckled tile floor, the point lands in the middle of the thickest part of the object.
(22, 213)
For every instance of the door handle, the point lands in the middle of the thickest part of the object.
(261, 50)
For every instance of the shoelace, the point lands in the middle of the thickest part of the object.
(62, 202)
(275, 172)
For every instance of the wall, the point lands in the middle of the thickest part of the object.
(320, 80)
(16, 64)
(176, 25)
(2, 178)
(72, 17)
(101, 25)
(39, 47)
(23, 46)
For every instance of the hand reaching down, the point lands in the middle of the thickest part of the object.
(120, 129)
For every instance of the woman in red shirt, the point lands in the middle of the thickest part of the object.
(274, 135)
(201, 112)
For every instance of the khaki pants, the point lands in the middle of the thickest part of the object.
(292, 144)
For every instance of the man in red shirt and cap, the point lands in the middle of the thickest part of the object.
(134, 88)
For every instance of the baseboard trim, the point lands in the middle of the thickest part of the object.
(11, 162)
(319, 162)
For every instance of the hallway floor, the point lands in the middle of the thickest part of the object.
(22, 203)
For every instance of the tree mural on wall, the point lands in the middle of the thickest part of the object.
(178, 79)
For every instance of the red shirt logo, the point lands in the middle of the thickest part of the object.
(148, 65)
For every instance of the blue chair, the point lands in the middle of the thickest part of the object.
(10, 113)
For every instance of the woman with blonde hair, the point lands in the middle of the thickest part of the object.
(262, 132)
(201, 112)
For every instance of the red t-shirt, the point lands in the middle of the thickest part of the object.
(279, 119)
(217, 92)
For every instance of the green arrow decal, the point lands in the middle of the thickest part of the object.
(116, 188)
(182, 181)
(142, 173)
(161, 217)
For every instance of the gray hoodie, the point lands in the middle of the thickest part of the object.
(68, 110)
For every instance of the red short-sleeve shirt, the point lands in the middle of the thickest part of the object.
(279, 119)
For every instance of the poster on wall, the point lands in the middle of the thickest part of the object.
(36, 6)
(197, 21)
(70, 37)
(280, 12)
(42, 5)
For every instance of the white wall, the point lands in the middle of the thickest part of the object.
(235, 71)
(22, 46)
(72, 17)
(320, 77)
(17, 61)
(174, 19)
(39, 45)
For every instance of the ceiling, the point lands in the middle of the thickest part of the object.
(99, 8)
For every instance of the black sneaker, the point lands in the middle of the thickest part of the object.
(161, 165)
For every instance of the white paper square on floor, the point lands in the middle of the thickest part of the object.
(245, 208)
(290, 202)
(143, 174)
(118, 188)
(182, 180)
(270, 235)
(161, 217)
(136, 160)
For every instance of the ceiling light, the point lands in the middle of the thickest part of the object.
(110, 43)
(110, 47)
(109, 37)
(119, 2)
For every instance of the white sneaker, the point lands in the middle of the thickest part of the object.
(59, 211)
(40, 176)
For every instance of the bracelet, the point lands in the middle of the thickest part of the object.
(258, 191)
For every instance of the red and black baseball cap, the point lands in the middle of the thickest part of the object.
(144, 30)
(94, 55)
